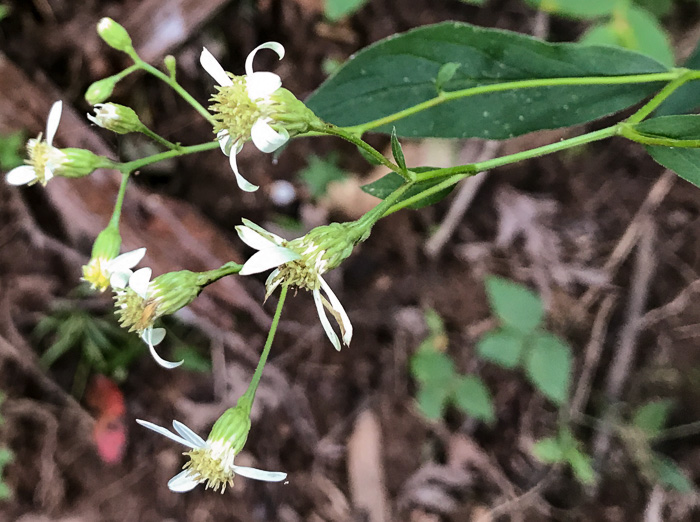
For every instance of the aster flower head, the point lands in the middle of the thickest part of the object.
(211, 461)
(300, 263)
(106, 261)
(44, 158)
(140, 301)
(253, 107)
(116, 118)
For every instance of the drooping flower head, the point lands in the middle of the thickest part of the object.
(43, 158)
(300, 263)
(105, 261)
(211, 461)
(253, 107)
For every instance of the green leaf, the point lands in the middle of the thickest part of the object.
(687, 97)
(652, 416)
(501, 346)
(5, 491)
(548, 450)
(445, 74)
(658, 8)
(337, 9)
(192, 360)
(399, 72)
(683, 161)
(548, 366)
(397, 152)
(515, 305)
(319, 173)
(670, 475)
(633, 29)
(582, 466)
(10, 146)
(575, 8)
(473, 2)
(389, 183)
(432, 400)
(432, 366)
(472, 397)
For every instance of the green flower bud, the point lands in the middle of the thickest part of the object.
(101, 90)
(170, 65)
(77, 163)
(174, 290)
(114, 35)
(117, 118)
(232, 428)
(107, 243)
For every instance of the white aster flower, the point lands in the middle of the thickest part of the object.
(99, 271)
(138, 303)
(245, 108)
(44, 158)
(212, 460)
(300, 263)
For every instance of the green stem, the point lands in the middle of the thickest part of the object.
(455, 174)
(159, 139)
(116, 214)
(173, 85)
(664, 93)
(444, 97)
(677, 432)
(131, 166)
(246, 400)
(332, 130)
(211, 276)
(631, 134)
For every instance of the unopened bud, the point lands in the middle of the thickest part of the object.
(114, 35)
(101, 90)
(117, 118)
(80, 162)
(107, 243)
(170, 65)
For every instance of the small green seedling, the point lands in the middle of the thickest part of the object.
(440, 384)
(520, 340)
(646, 426)
(565, 449)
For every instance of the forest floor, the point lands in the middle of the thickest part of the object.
(603, 234)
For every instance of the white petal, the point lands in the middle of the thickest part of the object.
(213, 67)
(261, 85)
(324, 320)
(182, 482)
(188, 434)
(139, 281)
(53, 120)
(119, 279)
(243, 183)
(275, 46)
(267, 139)
(270, 286)
(165, 432)
(163, 362)
(154, 336)
(48, 174)
(225, 141)
(126, 260)
(252, 238)
(259, 474)
(20, 175)
(268, 258)
(345, 324)
(260, 230)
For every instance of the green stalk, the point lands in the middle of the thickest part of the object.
(443, 97)
(352, 137)
(211, 276)
(131, 166)
(173, 85)
(246, 400)
(454, 175)
(664, 93)
(116, 214)
(158, 138)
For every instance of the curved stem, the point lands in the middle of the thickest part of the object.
(248, 397)
(631, 134)
(519, 84)
(159, 139)
(131, 166)
(455, 174)
(664, 93)
(332, 130)
(174, 85)
(116, 214)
